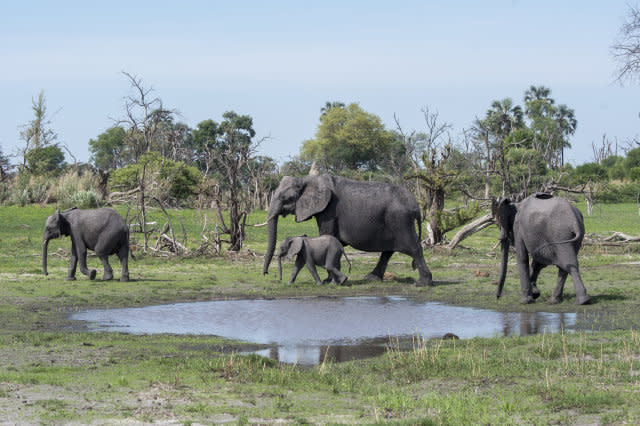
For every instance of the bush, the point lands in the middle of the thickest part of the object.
(84, 199)
(165, 179)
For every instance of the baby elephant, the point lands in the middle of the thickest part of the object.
(324, 251)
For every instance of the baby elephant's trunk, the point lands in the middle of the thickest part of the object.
(280, 266)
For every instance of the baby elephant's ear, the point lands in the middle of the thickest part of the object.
(295, 247)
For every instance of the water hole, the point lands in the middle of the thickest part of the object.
(308, 330)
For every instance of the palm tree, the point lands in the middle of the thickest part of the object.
(328, 106)
(504, 117)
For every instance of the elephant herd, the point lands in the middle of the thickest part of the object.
(368, 216)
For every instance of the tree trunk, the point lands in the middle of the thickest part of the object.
(470, 229)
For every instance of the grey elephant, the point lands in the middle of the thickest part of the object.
(325, 251)
(549, 230)
(102, 230)
(369, 216)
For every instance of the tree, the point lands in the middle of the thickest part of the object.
(551, 124)
(328, 106)
(108, 150)
(348, 138)
(144, 118)
(4, 166)
(48, 159)
(626, 49)
(40, 153)
(204, 140)
(229, 148)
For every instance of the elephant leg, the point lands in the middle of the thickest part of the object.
(536, 267)
(525, 275)
(108, 271)
(336, 274)
(73, 263)
(568, 261)
(299, 263)
(556, 297)
(81, 251)
(378, 271)
(312, 269)
(123, 255)
(582, 297)
(424, 278)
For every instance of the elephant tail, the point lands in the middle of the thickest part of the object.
(552, 243)
(347, 259)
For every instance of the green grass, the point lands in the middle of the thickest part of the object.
(53, 372)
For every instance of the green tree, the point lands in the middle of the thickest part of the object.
(41, 155)
(204, 142)
(589, 171)
(4, 166)
(348, 138)
(330, 105)
(229, 148)
(552, 124)
(108, 150)
(48, 159)
(631, 161)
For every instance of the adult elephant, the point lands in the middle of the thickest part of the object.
(102, 230)
(550, 231)
(369, 216)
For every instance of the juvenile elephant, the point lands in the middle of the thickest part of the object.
(550, 231)
(325, 251)
(102, 230)
(369, 216)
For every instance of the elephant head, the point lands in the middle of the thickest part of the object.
(56, 226)
(304, 197)
(505, 213)
(289, 247)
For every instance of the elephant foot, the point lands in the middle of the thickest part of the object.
(107, 277)
(583, 300)
(343, 281)
(424, 282)
(124, 278)
(70, 279)
(535, 293)
(372, 277)
(555, 300)
(92, 274)
(527, 300)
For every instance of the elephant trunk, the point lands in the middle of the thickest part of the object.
(280, 266)
(45, 246)
(272, 227)
(503, 266)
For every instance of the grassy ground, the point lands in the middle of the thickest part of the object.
(52, 373)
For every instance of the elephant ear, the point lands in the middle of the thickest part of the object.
(295, 247)
(314, 198)
(63, 223)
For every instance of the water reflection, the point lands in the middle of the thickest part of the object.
(308, 330)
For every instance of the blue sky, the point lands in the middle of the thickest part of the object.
(279, 61)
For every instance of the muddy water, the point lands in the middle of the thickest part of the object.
(307, 330)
